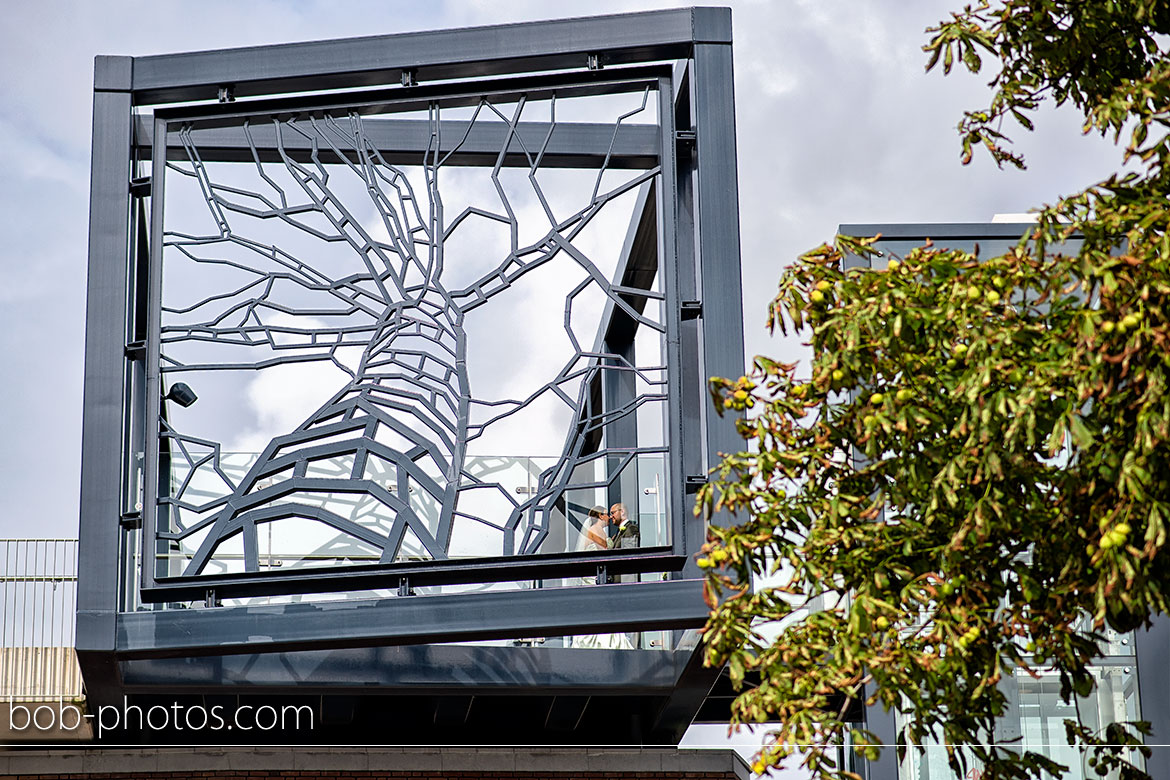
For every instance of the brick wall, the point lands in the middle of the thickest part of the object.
(335, 775)
(406, 763)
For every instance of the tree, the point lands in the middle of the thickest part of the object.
(975, 477)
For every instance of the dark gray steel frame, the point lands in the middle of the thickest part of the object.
(697, 143)
(407, 138)
(1152, 644)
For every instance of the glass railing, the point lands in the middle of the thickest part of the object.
(495, 487)
(639, 640)
(632, 640)
(503, 509)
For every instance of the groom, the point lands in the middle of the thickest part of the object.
(623, 534)
(623, 531)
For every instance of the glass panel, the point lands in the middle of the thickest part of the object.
(1035, 722)
(985, 247)
(305, 538)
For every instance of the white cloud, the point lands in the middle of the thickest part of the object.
(26, 156)
(283, 397)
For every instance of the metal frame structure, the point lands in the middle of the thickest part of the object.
(686, 225)
(399, 326)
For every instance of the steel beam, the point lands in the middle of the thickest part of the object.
(437, 669)
(668, 268)
(631, 606)
(421, 574)
(688, 459)
(422, 98)
(637, 266)
(695, 681)
(428, 56)
(717, 242)
(406, 141)
(105, 372)
(151, 547)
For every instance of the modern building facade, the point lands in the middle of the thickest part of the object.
(1132, 678)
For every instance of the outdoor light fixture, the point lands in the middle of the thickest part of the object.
(182, 394)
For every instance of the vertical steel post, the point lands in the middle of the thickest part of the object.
(687, 450)
(667, 193)
(717, 212)
(105, 331)
(1151, 648)
(152, 469)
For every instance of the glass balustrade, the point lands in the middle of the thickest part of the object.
(636, 481)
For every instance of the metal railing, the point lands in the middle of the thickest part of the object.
(38, 604)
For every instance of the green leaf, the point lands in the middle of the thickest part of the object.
(1014, 491)
(1080, 434)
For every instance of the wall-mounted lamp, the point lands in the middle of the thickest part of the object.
(182, 394)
